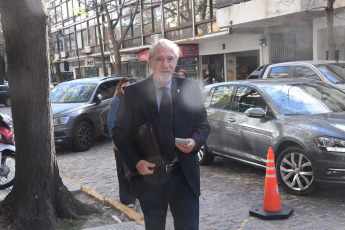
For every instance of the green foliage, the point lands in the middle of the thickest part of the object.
(79, 11)
(68, 224)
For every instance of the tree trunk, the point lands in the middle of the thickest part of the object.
(331, 42)
(38, 195)
(2, 69)
(117, 55)
(58, 72)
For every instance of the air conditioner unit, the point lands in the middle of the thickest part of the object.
(87, 49)
(56, 56)
(63, 54)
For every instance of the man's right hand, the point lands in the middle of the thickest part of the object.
(145, 167)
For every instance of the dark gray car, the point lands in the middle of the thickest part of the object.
(303, 120)
(76, 107)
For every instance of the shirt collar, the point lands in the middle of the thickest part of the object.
(158, 86)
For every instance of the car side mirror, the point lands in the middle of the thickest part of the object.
(98, 98)
(255, 112)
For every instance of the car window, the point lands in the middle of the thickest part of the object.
(72, 93)
(107, 89)
(312, 98)
(246, 98)
(208, 98)
(279, 72)
(221, 97)
(334, 72)
(305, 72)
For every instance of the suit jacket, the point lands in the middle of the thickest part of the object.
(139, 105)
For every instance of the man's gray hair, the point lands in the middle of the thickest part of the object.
(164, 43)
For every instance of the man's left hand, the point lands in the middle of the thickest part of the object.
(187, 148)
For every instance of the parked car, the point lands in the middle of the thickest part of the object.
(303, 120)
(5, 95)
(76, 107)
(258, 72)
(331, 72)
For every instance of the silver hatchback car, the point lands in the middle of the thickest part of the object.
(331, 72)
(303, 120)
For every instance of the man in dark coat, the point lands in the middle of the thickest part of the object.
(175, 108)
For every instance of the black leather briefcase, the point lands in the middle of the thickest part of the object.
(146, 142)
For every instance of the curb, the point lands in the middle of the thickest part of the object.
(114, 203)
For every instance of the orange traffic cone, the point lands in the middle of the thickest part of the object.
(271, 209)
(271, 199)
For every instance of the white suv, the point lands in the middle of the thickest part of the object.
(331, 72)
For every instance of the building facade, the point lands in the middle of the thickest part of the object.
(229, 37)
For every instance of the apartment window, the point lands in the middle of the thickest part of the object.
(202, 10)
(92, 36)
(84, 37)
(58, 13)
(172, 35)
(79, 40)
(147, 21)
(92, 22)
(157, 19)
(67, 42)
(203, 29)
(146, 3)
(72, 38)
(170, 15)
(124, 23)
(137, 25)
(75, 3)
(185, 12)
(60, 39)
(214, 7)
(52, 16)
(117, 32)
(64, 10)
(70, 8)
(54, 41)
(186, 33)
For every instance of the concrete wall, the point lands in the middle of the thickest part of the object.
(320, 43)
(260, 9)
(233, 43)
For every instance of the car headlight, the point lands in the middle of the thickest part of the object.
(60, 121)
(331, 144)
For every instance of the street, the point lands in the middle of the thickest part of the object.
(229, 190)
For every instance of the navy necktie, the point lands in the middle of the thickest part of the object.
(166, 126)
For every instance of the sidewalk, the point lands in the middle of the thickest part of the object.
(135, 224)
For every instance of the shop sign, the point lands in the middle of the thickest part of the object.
(189, 51)
(143, 55)
(129, 57)
(90, 62)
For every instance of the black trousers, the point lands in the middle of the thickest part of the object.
(175, 192)
(125, 197)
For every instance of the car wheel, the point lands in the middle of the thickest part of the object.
(205, 157)
(295, 171)
(83, 136)
(7, 102)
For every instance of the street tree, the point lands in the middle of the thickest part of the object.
(119, 6)
(38, 196)
(2, 59)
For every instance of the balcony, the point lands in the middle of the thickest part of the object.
(254, 14)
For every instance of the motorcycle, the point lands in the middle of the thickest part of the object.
(7, 152)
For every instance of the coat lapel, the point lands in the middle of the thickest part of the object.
(176, 99)
(152, 99)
